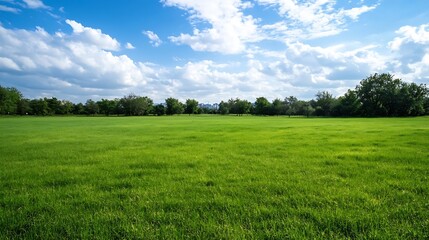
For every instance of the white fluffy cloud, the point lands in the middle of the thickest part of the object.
(153, 38)
(301, 71)
(35, 4)
(80, 62)
(411, 52)
(229, 29)
(93, 36)
(129, 46)
(7, 63)
(87, 63)
(9, 9)
(409, 34)
(310, 19)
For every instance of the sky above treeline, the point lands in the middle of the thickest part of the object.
(209, 50)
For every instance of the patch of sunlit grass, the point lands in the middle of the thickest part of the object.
(213, 177)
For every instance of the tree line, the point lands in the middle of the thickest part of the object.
(379, 95)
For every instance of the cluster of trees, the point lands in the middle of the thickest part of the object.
(289, 106)
(377, 95)
(13, 103)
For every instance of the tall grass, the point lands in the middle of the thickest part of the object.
(218, 177)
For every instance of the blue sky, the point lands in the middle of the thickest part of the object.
(208, 50)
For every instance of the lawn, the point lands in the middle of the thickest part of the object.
(214, 177)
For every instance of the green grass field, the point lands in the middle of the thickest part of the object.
(214, 177)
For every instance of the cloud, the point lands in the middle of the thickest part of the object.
(34, 4)
(221, 26)
(354, 13)
(86, 62)
(75, 64)
(301, 71)
(9, 9)
(411, 52)
(310, 19)
(8, 64)
(153, 38)
(209, 81)
(129, 46)
(31, 4)
(410, 34)
(229, 29)
(93, 36)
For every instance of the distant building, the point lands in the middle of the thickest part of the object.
(209, 106)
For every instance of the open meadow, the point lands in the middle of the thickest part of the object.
(214, 177)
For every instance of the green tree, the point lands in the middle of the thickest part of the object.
(191, 106)
(107, 106)
(278, 107)
(142, 106)
(118, 110)
(9, 99)
(223, 108)
(291, 105)
(411, 99)
(378, 94)
(348, 105)
(79, 109)
(243, 107)
(324, 103)
(24, 107)
(39, 107)
(54, 106)
(91, 107)
(382, 95)
(66, 107)
(239, 107)
(426, 104)
(134, 105)
(127, 104)
(159, 110)
(174, 106)
(262, 106)
(307, 109)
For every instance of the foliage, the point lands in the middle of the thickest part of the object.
(9, 100)
(277, 107)
(262, 106)
(91, 107)
(39, 107)
(382, 95)
(159, 110)
(79, 109)
(224, 108)
(23, 107)
(239, 107)
(134, 105)
(191, 106)
(174, 106)
(324, 103)
(108, 107)
(348, 105)
(54, 106)
(291, 105)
